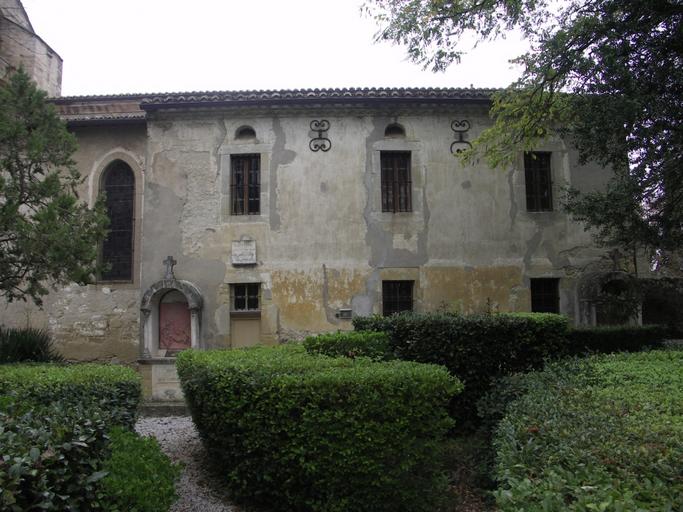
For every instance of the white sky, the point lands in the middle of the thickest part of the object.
(137, 46)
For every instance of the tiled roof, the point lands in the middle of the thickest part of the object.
(302, 96)
(132, 107)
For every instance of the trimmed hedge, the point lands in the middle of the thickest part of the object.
(603, 433)
(114, 389)
(620, 338)
(292, 431)
(27, 345)
(54, 424)
(475, 348)
(374, 345)
(140, 477)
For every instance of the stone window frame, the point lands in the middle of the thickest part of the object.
(400, 285)
(390, 165)
(545, 301)
(245, 313)
(244, 147)
(246, 161)
(94, 184)
(418, 181)
(538, 180)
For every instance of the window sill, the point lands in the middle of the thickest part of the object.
(255, 313)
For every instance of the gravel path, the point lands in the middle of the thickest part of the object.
(197, 489)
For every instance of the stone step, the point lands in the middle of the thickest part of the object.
(158, 408)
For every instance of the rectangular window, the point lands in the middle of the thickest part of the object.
(396, 182)
(245, 297)
(545, 295)
(539, 185)
(397, 296)
(245, 184)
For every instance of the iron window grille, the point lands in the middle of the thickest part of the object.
(116, 254)
(397, 296)
(246, 298)
(245, 184)
(396, 181)
(538, 178)
(545, 295)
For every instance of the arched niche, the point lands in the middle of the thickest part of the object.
(394, 130)
(245, 132)
(169, 295)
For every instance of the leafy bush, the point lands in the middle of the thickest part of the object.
(618, 338)
(475, 348)
(27, 345)
(603, 433)
(140, 477)
(113, 389)
(294, 431)
(50, 456)
(374, 345)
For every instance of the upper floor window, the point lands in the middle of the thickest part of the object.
(245, 184)
(397, 296)
(539, 197)
(545, 295)
(396, 181)
(118, 185)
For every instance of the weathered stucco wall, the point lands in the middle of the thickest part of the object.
(323, 242)
(99, 321)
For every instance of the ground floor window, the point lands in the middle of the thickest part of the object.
(397, 296)
(245, 297)
(545, 295)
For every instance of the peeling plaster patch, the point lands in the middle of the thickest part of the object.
(280, 156)
(405, 241)
(363, 304)
(466, 184)
(513, 198)
(329, 311)
(531, 247)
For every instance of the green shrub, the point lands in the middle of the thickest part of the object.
(50, 457)
(374, 345)
(113, 389)
(27, 345)
(603, 433)
(140, 477)
(475, 348)
(293, 431)
(618, 338)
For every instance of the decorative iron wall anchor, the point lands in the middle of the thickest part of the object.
(321, 142)
(460, 144)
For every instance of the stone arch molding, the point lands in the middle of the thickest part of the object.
(149, 307)
(134, 161)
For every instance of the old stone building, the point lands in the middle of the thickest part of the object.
(251, 217)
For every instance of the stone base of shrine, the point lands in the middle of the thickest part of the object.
(160, 381)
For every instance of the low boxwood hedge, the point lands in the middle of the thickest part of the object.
(374, 345)
(618, 338)
(292, 431)
(475, 348)
(114, 389)
(140, 477)
(602, 433)
(54, 424)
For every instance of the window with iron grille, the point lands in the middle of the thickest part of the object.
(118, 185)
(396, 182)
(545, 295)
(538, 178)
(245, 297)
(397, 296)
(245, 184)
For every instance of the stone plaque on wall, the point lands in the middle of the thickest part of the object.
(244, 252)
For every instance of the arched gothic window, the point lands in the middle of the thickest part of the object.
(118, 185)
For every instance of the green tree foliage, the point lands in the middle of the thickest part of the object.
(46, 235)
(604, 74)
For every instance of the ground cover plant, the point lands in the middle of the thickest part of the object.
(603, 433)
(56, 445)
(616, 338)
(293, 431)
